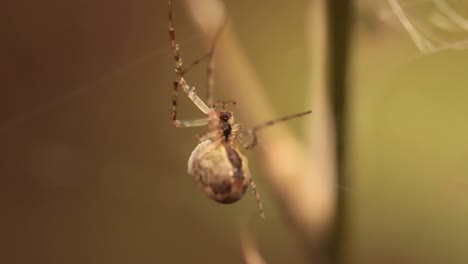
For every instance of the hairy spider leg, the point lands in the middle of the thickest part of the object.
(185, 123)
(257, 196)
(209, 56)
(180, 81)
(252, 131)
(211, 64)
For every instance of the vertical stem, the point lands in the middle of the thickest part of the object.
(339, 16)
(329, 29)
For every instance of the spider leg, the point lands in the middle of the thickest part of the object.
(183, 123)
(281, 119)
(209, 72)
(180, 72)
(253, 142)
(174, 45)
(257, 196)
(253, 134)
(224, 103)
(190, 91)
(239, 136)
(191, 123)
(211, 64)
(196, 62)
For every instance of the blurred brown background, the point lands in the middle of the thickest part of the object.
(92, 170)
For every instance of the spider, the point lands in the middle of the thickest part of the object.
(216, 164)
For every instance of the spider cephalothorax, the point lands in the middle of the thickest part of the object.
(222, 121)
(216, 164)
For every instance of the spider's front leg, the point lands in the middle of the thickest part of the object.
(181, 81)
(252, 132)
(184, 123)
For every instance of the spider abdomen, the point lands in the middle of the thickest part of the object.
(220, 170)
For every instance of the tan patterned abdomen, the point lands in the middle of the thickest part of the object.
(220, 171)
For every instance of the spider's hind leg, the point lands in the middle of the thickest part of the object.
(257, 196)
